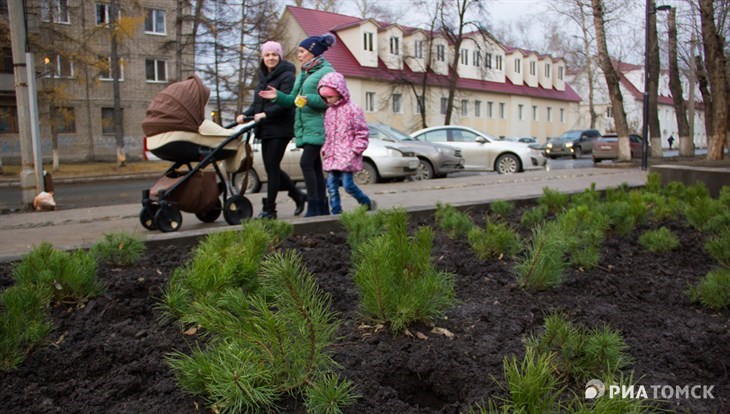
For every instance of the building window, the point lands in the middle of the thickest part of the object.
(440, 53)
(367, 41)
(609, 112)
(369, 101)
(59, 67)
(562, 115)
(498, 62)
(533, 68)
(418, 49)
(420, 104)
(444, 104)
(103, 13)
(8, 119)
(518, 65)
(534, 112)
(477, 58)
(561, 69)
(394, 46)
(154, 21)
(490, 109)
(397, 103)
(55, 10)
(156, 70)
(105, 68)
(64, 119)
(547, 70)
(549, 114)
(502, 113)
(488, 60)
(464, 107)
(4, 8)
(520, 109)
(477, 108)
(6, 60)
(107, 120)
(464, 57)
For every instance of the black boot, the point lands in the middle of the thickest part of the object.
(268, 212)
(324, 207)
(312, 207)
(300, 199)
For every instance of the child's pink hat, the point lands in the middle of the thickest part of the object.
(327, 91)
(272, 46)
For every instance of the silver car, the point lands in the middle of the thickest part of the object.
(435, 160)
(382, 160)
(483, 152)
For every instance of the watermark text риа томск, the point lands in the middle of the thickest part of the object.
(596, 389)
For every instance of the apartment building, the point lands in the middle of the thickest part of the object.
(631, 83)
(502, 90)
(71, 44)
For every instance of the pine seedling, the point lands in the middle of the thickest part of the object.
(659, 241)
(361, 226)
(329, 395)
(589, 197)
(455, 223)
(661, 208)
(502, 208)
(585, 228)
(554, 200)
(495, 241)
(543, 265)
(653, 183)
(534, 217)
(699, 211)
(532, 383)
(24, 321)
(713, 290)
(719, 247)
(119, 249)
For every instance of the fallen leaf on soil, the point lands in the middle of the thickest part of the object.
(191, 331)
(442, 331)
(59, 341)
(408, 333)
(421, 336)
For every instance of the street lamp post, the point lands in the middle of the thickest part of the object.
(651, 8)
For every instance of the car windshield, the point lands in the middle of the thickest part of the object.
(386, 131)
(570, 135)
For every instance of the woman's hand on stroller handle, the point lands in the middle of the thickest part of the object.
(269, 93)
(242, 119)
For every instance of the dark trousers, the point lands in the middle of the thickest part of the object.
(311, 164)
(272, 151)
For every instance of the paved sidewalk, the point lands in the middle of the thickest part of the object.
(79, 228)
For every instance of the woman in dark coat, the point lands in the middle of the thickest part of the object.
(275, 126)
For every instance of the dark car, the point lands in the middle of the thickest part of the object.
(574, 143)
(435, 160)
(606, 147)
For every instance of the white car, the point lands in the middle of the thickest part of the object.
(483, 152)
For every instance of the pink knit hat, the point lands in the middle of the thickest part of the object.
(272, 46)
(327, 91)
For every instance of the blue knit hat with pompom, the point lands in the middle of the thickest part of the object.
(318, 44)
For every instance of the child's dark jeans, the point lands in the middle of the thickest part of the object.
(333, 184)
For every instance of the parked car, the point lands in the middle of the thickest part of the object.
(606, 147)
(483, 152)
(435, 160)
(524, 140)
(574, 143)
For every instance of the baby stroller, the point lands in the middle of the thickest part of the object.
(177, 131)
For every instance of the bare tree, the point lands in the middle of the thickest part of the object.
(715, 61)
(612, 81)
(652, 65)
(675, 85)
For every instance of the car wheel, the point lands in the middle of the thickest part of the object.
(597, 160)
(578, 153)
(424, 170)
(254, 182)
(507, 164)
(368, 175)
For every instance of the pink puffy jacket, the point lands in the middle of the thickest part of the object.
(346, 132)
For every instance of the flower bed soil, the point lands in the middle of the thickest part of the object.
(108, 356)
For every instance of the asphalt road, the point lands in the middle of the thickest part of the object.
(83, 195)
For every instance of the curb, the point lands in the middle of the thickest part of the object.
(87, 179)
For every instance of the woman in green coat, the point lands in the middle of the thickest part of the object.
(309, 117)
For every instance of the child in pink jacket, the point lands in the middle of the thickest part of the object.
(346, 137)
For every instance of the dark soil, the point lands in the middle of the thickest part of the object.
(108, 357)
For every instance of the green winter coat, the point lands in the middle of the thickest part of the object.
(309, 120)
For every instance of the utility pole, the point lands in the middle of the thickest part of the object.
(18, 40)
(687, 149)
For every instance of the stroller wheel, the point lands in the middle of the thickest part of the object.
(147, 217)
(237, 209)
(168, 219)
(212, 214)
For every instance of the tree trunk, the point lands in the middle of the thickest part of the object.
(178, 39)
(704, 86)
(715, 63)
(653, 68)
(612, 82)
(588, 69)
(87, 97)
(456, 40)
(675, 85)
(118, 126)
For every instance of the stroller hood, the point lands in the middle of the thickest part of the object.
(179, 107)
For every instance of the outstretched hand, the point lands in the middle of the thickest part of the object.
(269, 93)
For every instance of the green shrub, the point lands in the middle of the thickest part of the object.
(713, 291)
(653, 183)
(24, 321)
(502, 208)
(534, 216)
(659, 241)
(402, 286)
(584, 228)
(532, 384)
(452, 221)
(495, 241)
(119, 249)
(329, 395)
(589, 197)
(72, 276)
(543, 265)
(700, 211)
(724, 196)
(624, 215)
(719, 247)
(718, 223)
(554, 200)
(674, 189)
(619, 193)
(361, 226)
